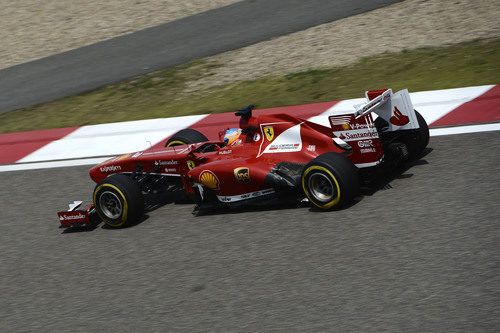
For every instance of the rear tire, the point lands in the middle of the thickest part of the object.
(185, 137)
(118, 201)
(419, 141)
(330, 181)
(416, 141)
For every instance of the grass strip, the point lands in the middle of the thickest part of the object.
(164, 94)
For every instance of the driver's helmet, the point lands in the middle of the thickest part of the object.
(232, 137)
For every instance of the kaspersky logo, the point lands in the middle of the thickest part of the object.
(110, 168)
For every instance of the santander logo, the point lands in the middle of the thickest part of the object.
(72, 217)
(399, 119)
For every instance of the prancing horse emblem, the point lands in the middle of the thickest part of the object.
(269, 132)
(190, 165)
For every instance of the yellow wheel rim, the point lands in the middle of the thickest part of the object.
(123, 219)
(323, 178)
(176, 143)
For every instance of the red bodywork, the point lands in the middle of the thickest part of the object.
(232, 170)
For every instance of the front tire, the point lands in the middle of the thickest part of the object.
(185, 137)
(118, 201)
(330, 181)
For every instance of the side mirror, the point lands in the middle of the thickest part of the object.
(246, 112)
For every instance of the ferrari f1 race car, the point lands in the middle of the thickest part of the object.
(268, 156)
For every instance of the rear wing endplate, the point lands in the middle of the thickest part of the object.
(358, 129)
(396, 109)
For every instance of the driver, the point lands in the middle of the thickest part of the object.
(232, 137)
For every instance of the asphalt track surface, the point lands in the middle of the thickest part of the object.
(205, 34)
(420, 254)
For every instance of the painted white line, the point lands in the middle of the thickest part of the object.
(464, 129)
(52, 164)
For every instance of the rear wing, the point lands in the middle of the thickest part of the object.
(357, 129)
(396, 109)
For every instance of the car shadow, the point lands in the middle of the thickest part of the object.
(383, 181)
(155, 201)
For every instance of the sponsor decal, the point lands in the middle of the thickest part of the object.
(256, 137)
(285, 146)
(311, 147)
(209, 179)
(361, 133)
(288, 141)
(365, 143)
(111, 160)
(171, 162)
(242, 174)
(72, 217)
(348, 122)
(137, 154)
(269, 132)
(399, 119)
(190, 165)
(225, 152)
(341, 120)
(170, 170)
(122, 157)
(110, 168)
(244, 196)
(357, 126)
(357, 134)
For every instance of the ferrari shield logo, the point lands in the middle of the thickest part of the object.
(242, 174)
(269, 132)
(190, 165)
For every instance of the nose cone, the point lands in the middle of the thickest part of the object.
(95, 174)
(101, 171)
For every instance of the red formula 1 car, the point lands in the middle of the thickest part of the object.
(269, 156)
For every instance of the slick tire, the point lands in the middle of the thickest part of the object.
(118, 201)
(417, 142)
(185, 137)
(330, 181)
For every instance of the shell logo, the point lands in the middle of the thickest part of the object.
(209, 179)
